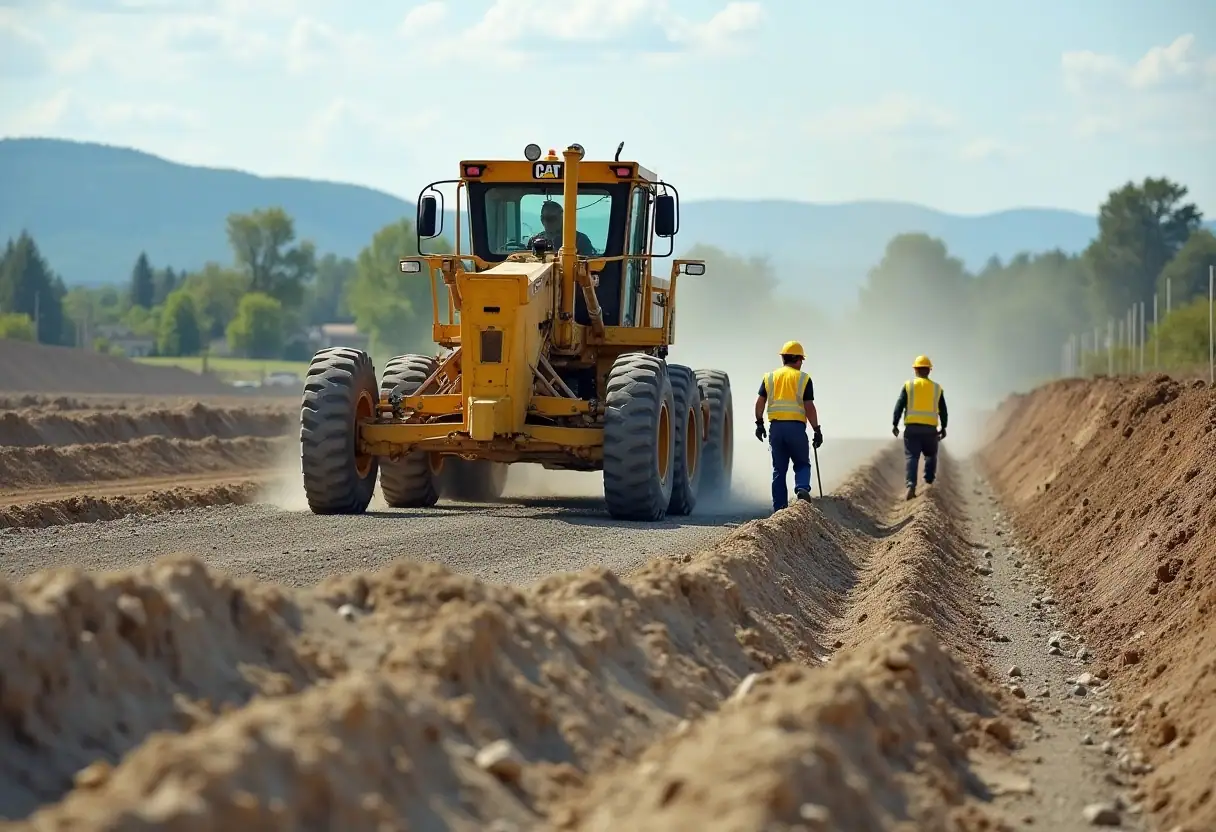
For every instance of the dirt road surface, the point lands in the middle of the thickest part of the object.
(1026, 644)
(68, 459)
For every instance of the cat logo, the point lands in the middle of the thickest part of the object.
(547, 170)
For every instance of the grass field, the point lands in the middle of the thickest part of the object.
(231, 369)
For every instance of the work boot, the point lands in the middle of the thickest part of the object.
(802, 494)
(911, 492)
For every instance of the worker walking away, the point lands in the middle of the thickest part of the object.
(787, 395)
(923, 405)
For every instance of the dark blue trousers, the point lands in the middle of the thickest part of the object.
(789, 442)
(920, 440)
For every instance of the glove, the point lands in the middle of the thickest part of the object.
(761, 433)
(895, 431)
(817, 439)
(941, 434)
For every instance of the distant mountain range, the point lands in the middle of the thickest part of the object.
(93, 208)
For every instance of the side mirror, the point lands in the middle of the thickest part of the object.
(428, 217)
(694, 269)
(665, 216)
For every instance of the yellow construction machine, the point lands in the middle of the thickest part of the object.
(555, 336)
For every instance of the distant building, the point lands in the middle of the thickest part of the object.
(338, 335)
(122, 338)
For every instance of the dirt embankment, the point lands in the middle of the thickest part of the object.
(39, 368)
(31, 427)
(67, 462)
(1115, 483)
(710, 690)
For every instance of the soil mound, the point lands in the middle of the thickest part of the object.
(1114, 481)
(84, 508)
(418, 698)
(153, 456)
(39, 368)
(30, 428)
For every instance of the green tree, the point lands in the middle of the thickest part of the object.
(217, 292)
(1187, 273)
(179, 332)
(257, 329)
(16, 326)
(262, 243)
(327, 296)
(1044, 294)
(166, 281)
(918, 273)
(1140, 229)
(28, 286)
(143, 283)
(393, 308)
(1183, 336)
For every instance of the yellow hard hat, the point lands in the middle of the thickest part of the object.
(922, 361)
(793, 348)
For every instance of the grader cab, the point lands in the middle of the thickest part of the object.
(555, 334)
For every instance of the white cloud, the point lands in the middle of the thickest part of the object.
(626, 25)
(23, 52)
(423, 17)
(890, 117)
(68, 112)
(1167, 95)
(987, 149)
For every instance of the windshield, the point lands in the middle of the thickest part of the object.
(514, 214)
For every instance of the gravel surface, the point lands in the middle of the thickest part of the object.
(506, 543)
(1069, 766)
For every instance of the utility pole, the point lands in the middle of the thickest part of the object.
(1110, 346)
(1211, 325)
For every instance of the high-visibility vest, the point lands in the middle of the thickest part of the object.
(923, 396)
(784, 389)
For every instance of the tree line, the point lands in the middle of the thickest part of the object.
(1004, 323)
(262, 302)
(1008, 318)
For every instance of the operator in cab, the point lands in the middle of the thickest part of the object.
(551, 221)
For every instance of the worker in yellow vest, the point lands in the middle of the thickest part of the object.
(787, 395)
(922, 404)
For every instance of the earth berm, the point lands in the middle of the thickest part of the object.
(418, 698)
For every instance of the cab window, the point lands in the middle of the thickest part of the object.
(512, 215)
(635, 244)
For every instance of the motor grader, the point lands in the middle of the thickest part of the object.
(554, 334)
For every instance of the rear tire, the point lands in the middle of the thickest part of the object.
(411, 481)
(719, 450)
(690, 435)
(472, 481)
(639, 438)
(339, 390)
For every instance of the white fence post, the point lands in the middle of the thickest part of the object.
(1211, 324)
(1156, 336)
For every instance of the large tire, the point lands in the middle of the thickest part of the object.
(339, 390)
(718, 452)
(411, 481)
(473, 481)
(639, 438)
(690, 433)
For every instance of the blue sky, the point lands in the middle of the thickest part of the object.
(967, 107)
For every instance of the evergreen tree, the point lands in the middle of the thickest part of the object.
(143, 283)
(28, 286)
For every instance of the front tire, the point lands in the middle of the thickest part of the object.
(412, 480)
(339, 391)
(639, 438)
(690, 434)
